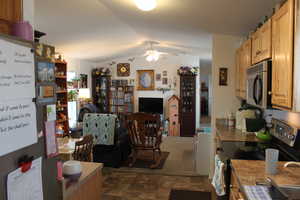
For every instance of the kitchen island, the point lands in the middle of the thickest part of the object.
(246, 172)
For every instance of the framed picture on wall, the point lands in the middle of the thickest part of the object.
(165, 73)
(145, 80)
(123, 69)
(158, 77)
(223, 76)
(83, 82)
(165, 81)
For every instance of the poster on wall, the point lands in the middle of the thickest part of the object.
(17, 78)
(17, 125)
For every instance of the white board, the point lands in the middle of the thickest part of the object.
(17, 75)
(17, 125)
(26, 186)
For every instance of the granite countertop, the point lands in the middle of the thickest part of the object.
(250, 172)
(228, 134)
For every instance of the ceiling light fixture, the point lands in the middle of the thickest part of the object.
(152, 55)
(145, 5)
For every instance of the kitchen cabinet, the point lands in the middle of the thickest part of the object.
(10, 12)
(243, 61)
(282, 56)
(261, 43)
(237, 71)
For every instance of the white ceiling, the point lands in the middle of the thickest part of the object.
(101, 30)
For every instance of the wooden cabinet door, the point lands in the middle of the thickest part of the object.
(256, 46)
(237, 71)
(282, 56)
(10, 12)
(265, 41)
(245, 63)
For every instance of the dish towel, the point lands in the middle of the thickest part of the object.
(218, 180)
(101, 126)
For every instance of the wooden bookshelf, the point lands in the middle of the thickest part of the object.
(62, 121)
(121, 97)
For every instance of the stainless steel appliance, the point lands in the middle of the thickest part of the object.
(259, 84)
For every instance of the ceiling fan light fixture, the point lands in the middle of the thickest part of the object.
(146, 5)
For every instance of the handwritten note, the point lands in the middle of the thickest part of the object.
(17, 125)
(26, 186)
(17, 76)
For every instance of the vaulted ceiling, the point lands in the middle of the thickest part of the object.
(100, 30)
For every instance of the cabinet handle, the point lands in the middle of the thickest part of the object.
(269, 93)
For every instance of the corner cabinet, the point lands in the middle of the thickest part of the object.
(282, 56)
(187, 105)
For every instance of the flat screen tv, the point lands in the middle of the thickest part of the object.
(151, 105)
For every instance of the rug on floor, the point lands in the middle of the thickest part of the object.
(190, 195)
(145, 160)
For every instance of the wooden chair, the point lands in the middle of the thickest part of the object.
(83, 149)
(145, 135)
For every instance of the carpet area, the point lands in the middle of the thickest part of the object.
(190, 195)
(144, 161)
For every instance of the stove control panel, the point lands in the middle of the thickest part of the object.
(285, 132)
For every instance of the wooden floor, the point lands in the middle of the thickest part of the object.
(138, 186)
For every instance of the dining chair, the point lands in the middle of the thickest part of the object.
(83, 149)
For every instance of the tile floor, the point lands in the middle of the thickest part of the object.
(137, 186)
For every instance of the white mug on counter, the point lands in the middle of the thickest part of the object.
(271, 161)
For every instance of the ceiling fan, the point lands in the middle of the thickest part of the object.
(151, 54)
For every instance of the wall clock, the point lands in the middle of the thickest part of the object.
(123, 69)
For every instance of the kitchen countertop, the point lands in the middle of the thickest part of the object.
(250, 172)
(227, 134)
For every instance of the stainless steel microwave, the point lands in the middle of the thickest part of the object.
(259, 84)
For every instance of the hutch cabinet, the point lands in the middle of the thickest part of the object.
(187, 105)
(101, 90)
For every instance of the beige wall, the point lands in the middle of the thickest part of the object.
(224, 99)
(81, 67)
(168, 63)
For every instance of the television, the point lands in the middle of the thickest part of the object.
(151, 105)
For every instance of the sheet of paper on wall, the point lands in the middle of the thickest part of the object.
(17, 125)
(28, 185)
(51, 112)
(17, 76)
(51, 142)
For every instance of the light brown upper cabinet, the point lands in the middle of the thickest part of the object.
(10, 12)
(262, 43)
(243, 61)
(282, 56)
(237, 71)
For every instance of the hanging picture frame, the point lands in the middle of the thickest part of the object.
(158, 77)
(123, 69)
(145, 80)
(223, 76)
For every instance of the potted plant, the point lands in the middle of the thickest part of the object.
(72, 95)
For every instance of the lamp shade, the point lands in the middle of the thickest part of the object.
(84, 93)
